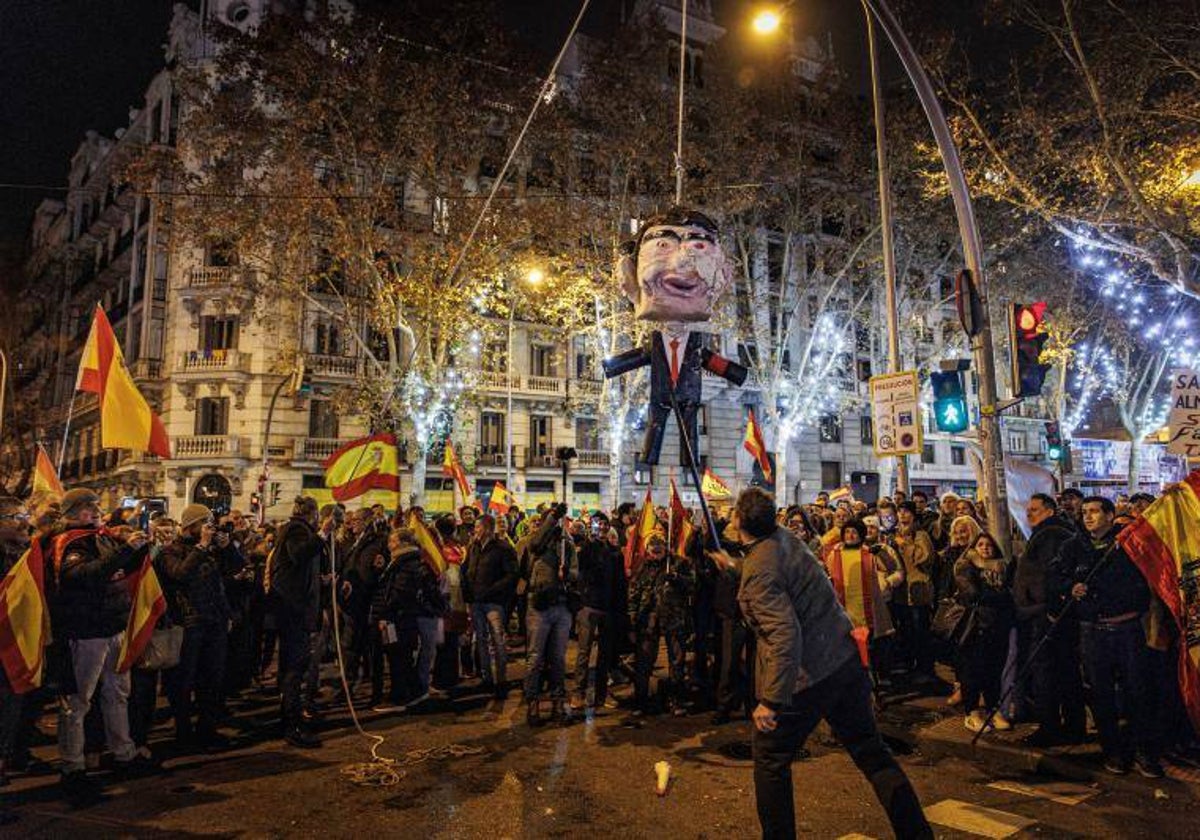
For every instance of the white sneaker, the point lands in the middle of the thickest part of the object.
(387, 708)
(416, 701)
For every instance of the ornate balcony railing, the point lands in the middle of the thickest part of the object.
(210, 446)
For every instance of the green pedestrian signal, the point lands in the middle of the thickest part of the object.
(949, 402)
(1056, 450)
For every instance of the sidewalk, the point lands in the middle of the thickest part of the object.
(943, 735)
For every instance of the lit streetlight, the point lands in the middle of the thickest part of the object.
(767, 21)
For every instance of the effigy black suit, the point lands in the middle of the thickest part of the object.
(685, 386)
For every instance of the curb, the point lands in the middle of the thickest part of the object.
(949, 739)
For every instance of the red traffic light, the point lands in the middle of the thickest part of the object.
(1029, 319)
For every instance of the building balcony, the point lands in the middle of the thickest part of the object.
(592, 458)
(541, 458)
(545, 385)
(590, 389)
(145, 369)
(211, 446)
(315, 449)
(213, 363)
(331, 367)
(210, 276)
(498, 380)
(486, 456)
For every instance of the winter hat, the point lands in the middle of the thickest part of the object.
(193, 514)
(74, 500)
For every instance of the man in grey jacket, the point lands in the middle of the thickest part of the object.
(808, 669)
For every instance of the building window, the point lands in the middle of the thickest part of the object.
(1017, 442)
(539, 436)
(491, 433)
(587, 433)
(928, 455)
(542, 360)
(327, 339)
(958, 456)
(831, 428)
(219, 254)
(866, 430)
(585, 361)
(643, 474)
(212, 416)
(218, 333)
(831, 475)
(322, 420)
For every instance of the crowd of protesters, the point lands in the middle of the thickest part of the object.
(260, 607)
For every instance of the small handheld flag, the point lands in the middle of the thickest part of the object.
(753, 443)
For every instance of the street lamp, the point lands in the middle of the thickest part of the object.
(534, 276)
(766, 21)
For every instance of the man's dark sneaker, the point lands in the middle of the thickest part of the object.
(1149, 767)
(720, 718)
(302, 738)
(533, 714)
(136, 768)
(1116, 766)
(1042, 738)
(79, 789)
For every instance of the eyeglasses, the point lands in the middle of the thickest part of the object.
(17, 517)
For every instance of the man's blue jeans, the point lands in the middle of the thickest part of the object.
(488, 621)
(548, 632)
(1115, 665)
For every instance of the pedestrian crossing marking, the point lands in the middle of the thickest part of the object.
(976, 819)
(1063, 793)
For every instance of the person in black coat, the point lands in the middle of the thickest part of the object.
(292, 581)
(983, 584)
(490, 576)
(413, 600)
(602, 595)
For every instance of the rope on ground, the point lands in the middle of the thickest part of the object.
(381, 770)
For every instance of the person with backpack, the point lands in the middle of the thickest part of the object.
(550, 570)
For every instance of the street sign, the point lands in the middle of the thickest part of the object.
(896, 413)
(1184, 420)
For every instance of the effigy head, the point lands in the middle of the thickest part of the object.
(674, 268)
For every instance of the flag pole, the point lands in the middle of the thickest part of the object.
(62, 452)
(670, 518)
(713, 536)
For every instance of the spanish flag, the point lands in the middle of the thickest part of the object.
(24, 621)
(713, 487)
(149, 604)
(45, 478)
(453, 468)
(501, 500)
(369, 463)
(429, 546)
(1164, 543)
(635, 539)
(682, 526)
(753, 443)
(126, 421)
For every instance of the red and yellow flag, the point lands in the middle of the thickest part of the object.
(126, 421)
(1164, 543)
(430, 550)
(635, 539)
(501, 499)
(453, 468)
(682, 526)
(369, 463)
(149, 604)
(713, 487)
(24, 621)
(753, 443)
(45, 478)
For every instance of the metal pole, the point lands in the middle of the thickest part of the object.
(262, 475)
(683, 27)
(508, 363)
(985, 364)
(885, 218)
(3, 390)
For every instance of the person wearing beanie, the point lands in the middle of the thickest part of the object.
(89, 610)
(854, 572)
(192, 565)
(660, 608)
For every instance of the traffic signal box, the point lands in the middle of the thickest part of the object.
(1027, 334)
(1055, 449)
(949, 401)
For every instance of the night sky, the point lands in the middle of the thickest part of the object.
(73, 65)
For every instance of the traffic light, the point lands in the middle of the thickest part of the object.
(1055, 450)
(949, 402)
(301, 384)
(1027, 334)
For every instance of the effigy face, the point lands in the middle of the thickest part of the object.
(675, 270)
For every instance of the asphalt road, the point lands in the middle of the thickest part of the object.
(588, 779)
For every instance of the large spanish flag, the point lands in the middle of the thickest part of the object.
(369, 463)
(635, 539)
(149, 604)
(45, 478)
(1164, 543)
(753, 443)
(453, 468)
(126, 421)
(24, 621)
(425, 539)
(713, 487)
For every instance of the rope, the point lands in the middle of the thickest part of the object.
(679, 119)
(381, 770)
(543, 96)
